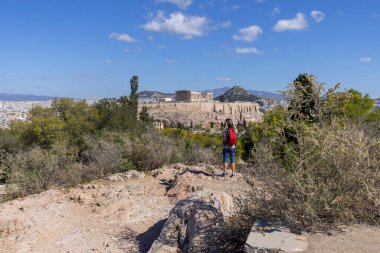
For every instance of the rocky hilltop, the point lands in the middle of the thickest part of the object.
(121, 213)
(217, 92)
(173, 209)
(207, 114)
(237, 93)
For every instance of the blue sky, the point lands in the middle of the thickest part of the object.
(91, 48)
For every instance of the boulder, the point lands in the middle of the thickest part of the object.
(192, 226)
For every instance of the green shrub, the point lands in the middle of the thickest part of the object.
(103, 157)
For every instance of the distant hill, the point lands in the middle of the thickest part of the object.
(23, 97)
(154, 94)
(217, 92)
(264, 94)
(237, 93)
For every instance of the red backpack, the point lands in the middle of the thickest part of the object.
(231, 137)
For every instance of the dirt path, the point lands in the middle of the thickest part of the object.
(109, 215)
(354, 239)
(104, 216)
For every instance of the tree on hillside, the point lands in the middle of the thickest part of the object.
(44, 128)
(351, 104)
(67, 119)
(133, 98)
(144, 115)
(120, 114)
(306, 98)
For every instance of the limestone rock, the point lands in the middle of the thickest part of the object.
(266, 237)
(202, 204)
(192, 226)
(126, 175)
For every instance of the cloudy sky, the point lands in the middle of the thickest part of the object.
(91, 48)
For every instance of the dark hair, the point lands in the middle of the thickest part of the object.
(230, 123)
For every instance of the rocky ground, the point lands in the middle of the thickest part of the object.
(122, 213)
(130, 212)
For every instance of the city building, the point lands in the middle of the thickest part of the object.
(158, 124)
(167, 99)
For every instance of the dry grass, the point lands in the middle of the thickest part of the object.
(330, 179)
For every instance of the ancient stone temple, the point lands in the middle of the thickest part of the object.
(193, 96)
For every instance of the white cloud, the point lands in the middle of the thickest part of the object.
(186, 25)
(159, 47)
(150, 38)
(318, 16)
(107, 61)
(223, 79)
(365, 59)
(297, 23)
(247, 50)
(248, 34)
(122, 37)
(182, 4)
(170, 61)
(276, 11)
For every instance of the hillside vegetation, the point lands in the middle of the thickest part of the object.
(314, 164)
(72, 142)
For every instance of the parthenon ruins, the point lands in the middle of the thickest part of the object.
(193, 96)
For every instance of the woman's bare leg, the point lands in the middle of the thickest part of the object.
(225, 167)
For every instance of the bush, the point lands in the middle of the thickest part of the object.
(8, 141)
(199, 148)
(151, 151)
(103, 157)
(36, 170)
(331, 178)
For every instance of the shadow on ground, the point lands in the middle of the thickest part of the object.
(146, 239)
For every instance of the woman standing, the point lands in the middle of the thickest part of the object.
(229, 146)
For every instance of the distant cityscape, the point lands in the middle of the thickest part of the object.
(17, 110)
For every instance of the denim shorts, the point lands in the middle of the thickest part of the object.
(229, 152)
